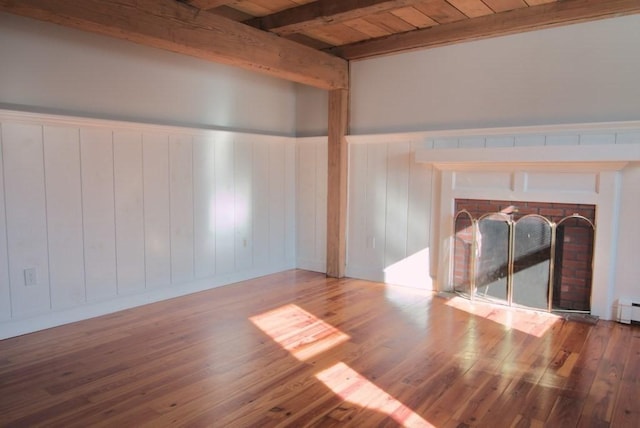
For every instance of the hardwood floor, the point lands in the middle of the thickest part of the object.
(297, 349)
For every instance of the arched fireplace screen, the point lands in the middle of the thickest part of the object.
(530, 262)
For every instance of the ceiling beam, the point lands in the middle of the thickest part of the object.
(208, 4)
(314, 14)
(499, 24)
(177, 27)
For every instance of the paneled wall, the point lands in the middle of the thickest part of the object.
(111, 214)
(389, 214)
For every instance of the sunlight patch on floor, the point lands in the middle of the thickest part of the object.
(354, 388)
(527, 321)
(299, 332)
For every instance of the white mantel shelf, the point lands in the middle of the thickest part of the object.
(606, 157)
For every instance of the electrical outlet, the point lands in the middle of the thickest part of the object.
(30, 277)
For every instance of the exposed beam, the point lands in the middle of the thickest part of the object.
(177, 27)
(320, 12)
(510, 22)
(208, 4)
(337, 182)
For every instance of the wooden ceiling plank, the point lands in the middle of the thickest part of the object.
(539, 2)
(274, 5)
(414, 17)
(471, 8)
(336, 34)
(208, 4)
(367, 28)
(498, 24)
(252, 8)
(177, 27)
(390, 22)
(317, 13)
(440, 11)
(504, 5)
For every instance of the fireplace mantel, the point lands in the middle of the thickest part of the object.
(592, 157)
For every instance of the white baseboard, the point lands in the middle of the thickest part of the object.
(14, 328)
(312, 265)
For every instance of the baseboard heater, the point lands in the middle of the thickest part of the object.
(628, 311)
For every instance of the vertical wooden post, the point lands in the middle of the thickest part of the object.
(337, 182)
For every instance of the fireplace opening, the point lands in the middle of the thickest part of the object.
(527, 254)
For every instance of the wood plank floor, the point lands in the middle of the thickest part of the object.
(297, 349)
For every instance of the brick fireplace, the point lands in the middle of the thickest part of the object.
(570, 274)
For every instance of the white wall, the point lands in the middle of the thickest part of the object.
(312, 111)
(49, 68)
(573, 74)
(115, 214)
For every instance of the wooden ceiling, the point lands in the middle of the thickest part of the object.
(356, 29)
(306, 41)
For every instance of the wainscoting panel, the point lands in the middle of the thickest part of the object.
(204, 215)
(157, 215)
(98, 213)
(181, 196)
(242, 195)
(260, 202)
(26, 218)
(224, 206)
(312, 204)
(64, 216)
(129, 209)
(5, 292)
(103, 215)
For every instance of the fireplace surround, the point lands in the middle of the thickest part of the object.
(561, 164)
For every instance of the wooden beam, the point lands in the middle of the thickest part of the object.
(177, 27)
(499, 24)
(208, 4)
(317, 13)
(337, 182)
